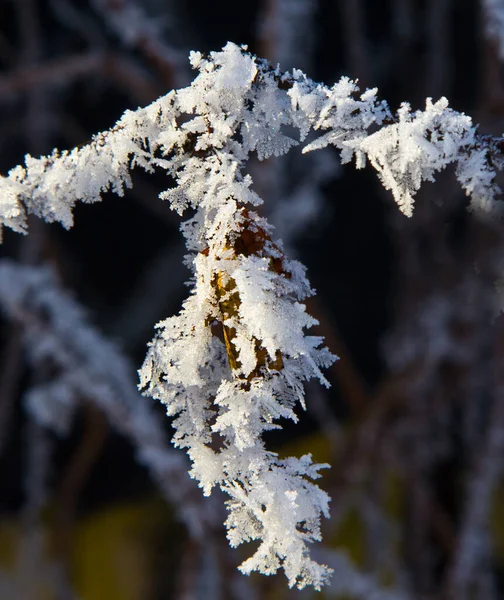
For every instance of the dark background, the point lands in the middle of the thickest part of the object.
(378, 274)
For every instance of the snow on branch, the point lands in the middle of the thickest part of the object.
(405, 149)
(234, 360)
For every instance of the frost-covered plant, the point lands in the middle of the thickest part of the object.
(234, 360)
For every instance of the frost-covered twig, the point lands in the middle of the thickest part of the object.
(234, 360)
(405, 150)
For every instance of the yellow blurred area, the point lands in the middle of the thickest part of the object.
(110, 555)
(111, 561)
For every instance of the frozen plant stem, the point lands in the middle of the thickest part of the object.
(234, 360)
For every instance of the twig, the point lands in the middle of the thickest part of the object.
(74, 480)
(487, 469)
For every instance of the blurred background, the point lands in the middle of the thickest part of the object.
(413, 425)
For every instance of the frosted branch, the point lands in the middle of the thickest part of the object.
(233, 362)
(405, 150)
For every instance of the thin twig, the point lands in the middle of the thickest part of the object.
(74, 480)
